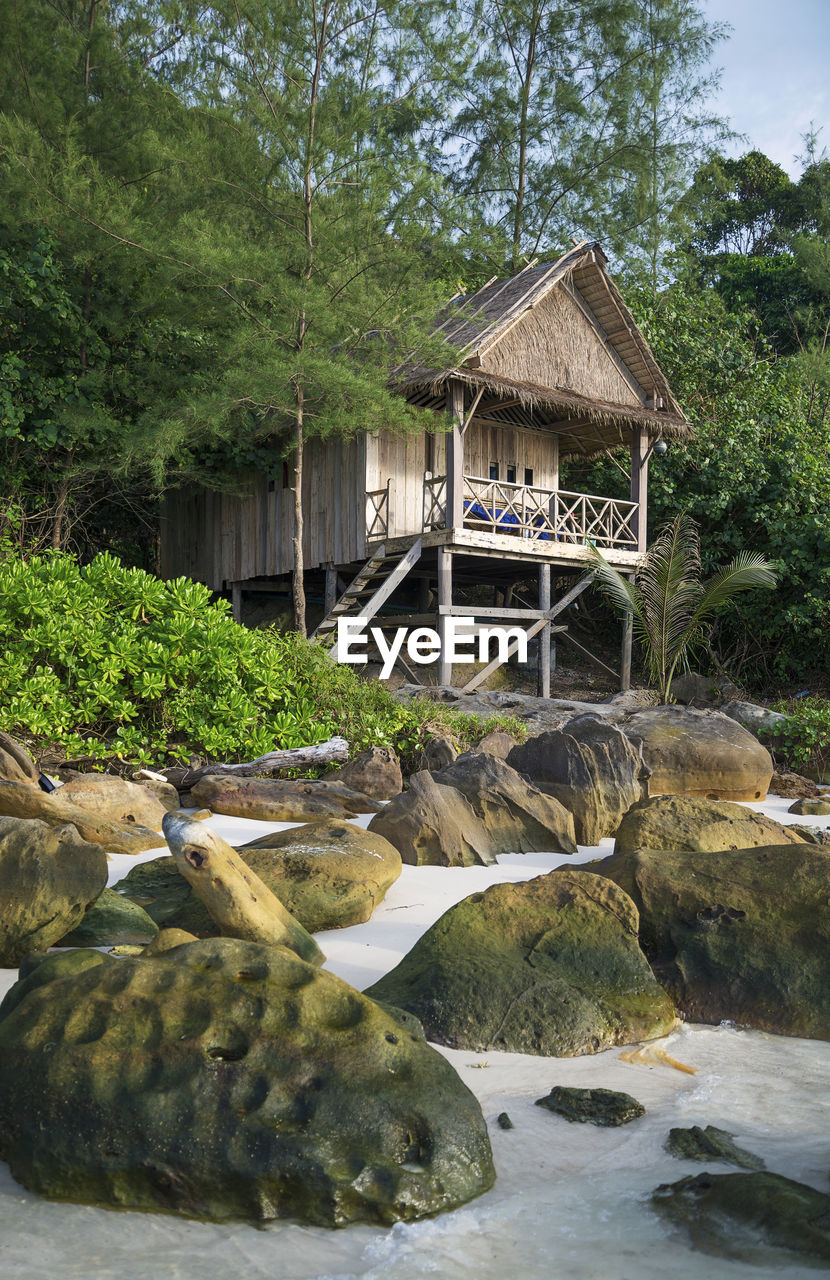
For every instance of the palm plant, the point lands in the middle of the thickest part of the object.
(671, 608)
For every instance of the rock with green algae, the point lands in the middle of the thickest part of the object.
(229, 1080)
(607, 1108)
(686, 822)
(49, 876)
(550, 966)
(741, 936)
(813, 807)
(328, 874)
(710, 1143)
(112, 920)
(746, 1215)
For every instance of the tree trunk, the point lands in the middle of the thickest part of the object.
(298, 586)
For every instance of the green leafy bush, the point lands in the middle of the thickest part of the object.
(105, 660)
(804, 739)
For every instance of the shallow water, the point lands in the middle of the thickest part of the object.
(571, 1202)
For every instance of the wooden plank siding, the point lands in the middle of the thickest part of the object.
(219, 538)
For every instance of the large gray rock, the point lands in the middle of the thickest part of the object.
(272, 800)
(699, 753)
(683, 822)
(754, 718)
(550, 966)
(228, 1079)
(107, 796)
(375, 772)
(590, 767)
(742, 936)
(695, 690)
(49, 876)
(519, 818)
(434, 825)
(749, 1216)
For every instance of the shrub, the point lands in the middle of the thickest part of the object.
(804, 739)
(104, 660)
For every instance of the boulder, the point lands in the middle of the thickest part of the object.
(590, 767)
(747, 1216)
(49, 876)
(811, 807)
(811, 833)
(550, 966)
(792, 786)
(438, 752)
(695, 690)
(754, 718)
(699, 753)
(112, 920)
(19, 800)
(107, 796)
(709, 1144)
(375, 772)
(229, 1080)
(682, 822)
(164, 791)
(434, 825)
(741, 936)
(496, 744)
(16, 765)
(519, 818)
(604, 1107)
(328, 874)
(271, 800)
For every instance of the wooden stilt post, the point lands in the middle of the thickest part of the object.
(330, 592)
(444, 598)
(625, 655)
(423, 595)
(236, 601)
(455, 456)
(639, 484)
(543, 682)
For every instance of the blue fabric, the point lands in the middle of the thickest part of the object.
(501, 518)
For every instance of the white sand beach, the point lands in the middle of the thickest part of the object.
(570, 1201)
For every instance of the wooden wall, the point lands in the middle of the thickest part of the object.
(403, 460)
(511, 446)
(219, 538)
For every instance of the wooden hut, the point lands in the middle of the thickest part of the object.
(552, 365)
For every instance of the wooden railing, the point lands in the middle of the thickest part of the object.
(377, 513)
(494, 506)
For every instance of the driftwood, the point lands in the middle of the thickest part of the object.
(236, 899)
(333, 751)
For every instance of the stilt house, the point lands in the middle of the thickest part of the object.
(552, 365)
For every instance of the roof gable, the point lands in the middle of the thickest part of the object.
(562, 325)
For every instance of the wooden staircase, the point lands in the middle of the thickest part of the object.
(371, 588)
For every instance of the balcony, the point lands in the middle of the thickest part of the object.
(525, 511)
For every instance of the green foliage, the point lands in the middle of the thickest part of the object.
(671, 608)
(105, 660)
(803, 740)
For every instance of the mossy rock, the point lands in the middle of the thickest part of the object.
(550, 966)
(226, 1079)
(684, 822)
(743, 935)
(746, 1215)
(815, 807)
(49, 877)
(708, 1144)
(112, 920)
(328, 874)
(607, 1108)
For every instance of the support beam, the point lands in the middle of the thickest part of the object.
(455, 455)
(639, 484)
(330, 591)
(543, 681)
(236, 601)
(445, 600)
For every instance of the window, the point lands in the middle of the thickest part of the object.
(511, 475)
(494, 471)
(528, 475)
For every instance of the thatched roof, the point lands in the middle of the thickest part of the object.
(555, 347)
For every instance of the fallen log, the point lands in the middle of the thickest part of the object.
(334, 751)
(236, 899)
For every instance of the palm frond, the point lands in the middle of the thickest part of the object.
(744, 573)
(622, 593)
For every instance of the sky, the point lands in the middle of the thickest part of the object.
(776, 73)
